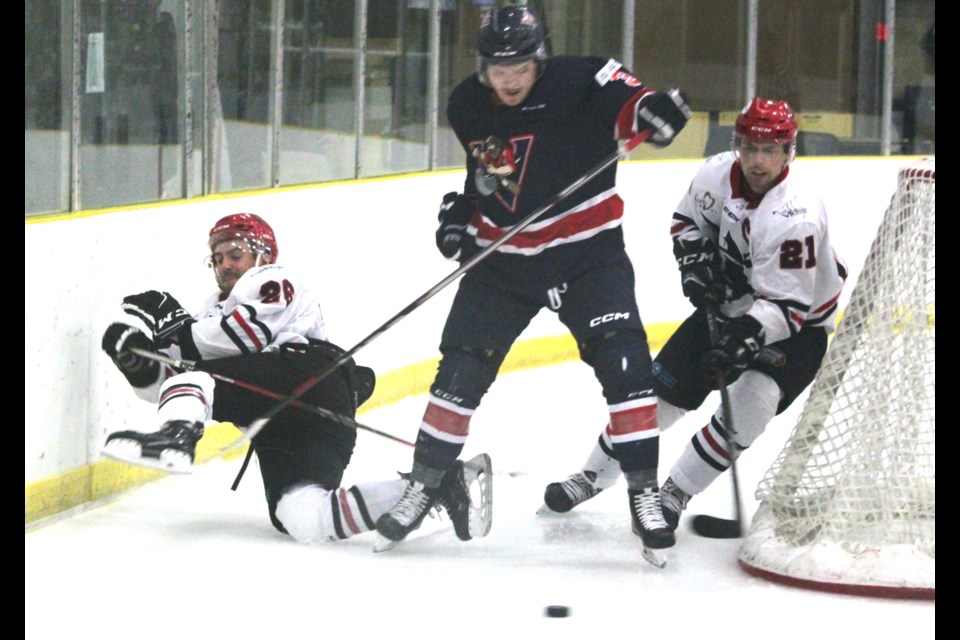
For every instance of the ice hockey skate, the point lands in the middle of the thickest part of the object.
(463, 482)
(171, 449)
(561, 497)
(470, 519)
(673, 501)
(649, 524)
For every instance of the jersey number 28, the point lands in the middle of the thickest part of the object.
(270, 291)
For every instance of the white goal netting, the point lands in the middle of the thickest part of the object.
(849, 505)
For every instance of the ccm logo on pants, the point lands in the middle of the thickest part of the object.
(609, 317)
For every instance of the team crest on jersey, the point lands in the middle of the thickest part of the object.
(705, 201)
(500, 167)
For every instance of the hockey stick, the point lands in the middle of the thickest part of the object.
(308, 384)
(187, 365)
(712, 526)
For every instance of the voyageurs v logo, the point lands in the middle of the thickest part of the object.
(501, 167)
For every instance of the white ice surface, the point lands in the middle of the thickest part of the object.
(185, 558)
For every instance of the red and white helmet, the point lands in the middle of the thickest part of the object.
(251, 228)
(767, 120)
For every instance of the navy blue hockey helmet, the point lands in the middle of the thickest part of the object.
(509, 35)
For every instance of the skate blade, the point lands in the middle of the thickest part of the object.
(544, 510)
(478, 475)
(656, 557)
(129, 452)
(381, 544)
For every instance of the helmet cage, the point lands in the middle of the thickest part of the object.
(245, 226)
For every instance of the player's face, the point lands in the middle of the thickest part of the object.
(230, 260)
(762, 163)
(512, 83)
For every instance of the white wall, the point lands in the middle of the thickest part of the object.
(369, 248)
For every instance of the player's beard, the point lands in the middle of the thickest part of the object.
(227, 280)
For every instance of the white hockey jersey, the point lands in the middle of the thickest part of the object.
(777, 259)
(269, 306)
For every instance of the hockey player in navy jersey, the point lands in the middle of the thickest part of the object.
(559, 117)
(263, 326)
(750, 238)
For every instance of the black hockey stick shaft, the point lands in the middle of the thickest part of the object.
(308, 384)
(188, 365)
(711, 526)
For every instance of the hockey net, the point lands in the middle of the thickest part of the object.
(849, 504)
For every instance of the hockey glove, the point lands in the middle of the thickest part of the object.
(665, 113)
(455, 213)
(739, 345)
(161, 312)
(117, 340)
(700, 274)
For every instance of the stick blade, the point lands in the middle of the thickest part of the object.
(716, 528)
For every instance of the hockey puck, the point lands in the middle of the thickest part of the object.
(557, 611)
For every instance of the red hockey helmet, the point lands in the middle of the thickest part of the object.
(767, 120)
(248, 226)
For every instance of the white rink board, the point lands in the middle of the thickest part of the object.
(369, 246)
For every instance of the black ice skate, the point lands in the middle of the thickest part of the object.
(170, 449)
(561, 497)
(408, 514)
(648, 523)
(673, 501)
(469, 520)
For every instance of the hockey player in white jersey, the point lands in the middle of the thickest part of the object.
(750, 238)
(264, 327)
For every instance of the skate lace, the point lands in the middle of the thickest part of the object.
(413, 502)
(673, 497)
(579, 487)
(646, 505)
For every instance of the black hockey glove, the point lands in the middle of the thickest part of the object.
(740, 343)
(117, 340)
(455, 213)
(700, 275)
(666, 113)
(161, 312)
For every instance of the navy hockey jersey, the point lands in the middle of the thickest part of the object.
(572, 120)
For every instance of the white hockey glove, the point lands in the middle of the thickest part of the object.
(666, 113)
